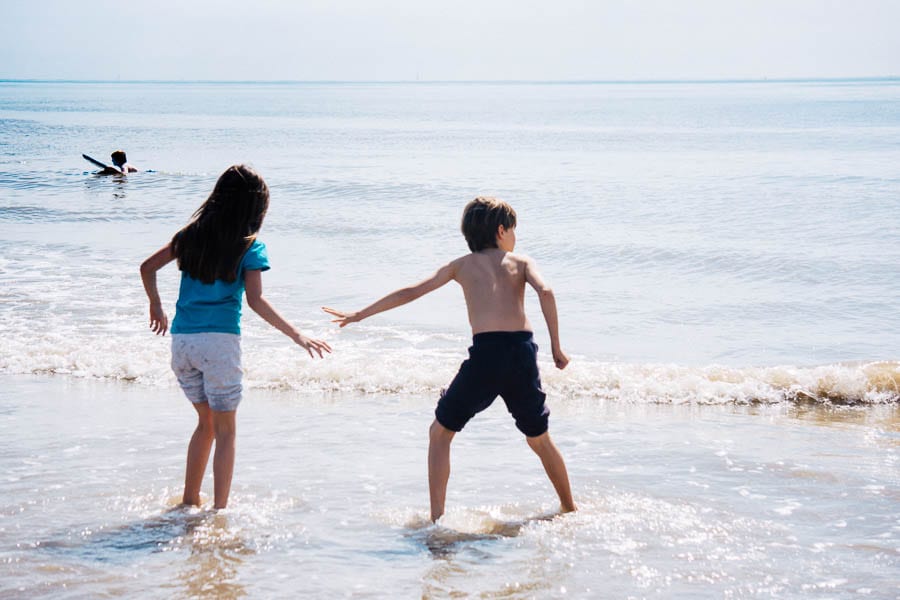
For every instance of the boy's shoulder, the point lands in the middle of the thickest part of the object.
(520, 260)
(472, 256)
(461, 261)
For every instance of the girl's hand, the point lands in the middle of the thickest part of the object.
(343, 319)
(159, 322)
(310, 344)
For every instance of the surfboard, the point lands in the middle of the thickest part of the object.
(95, 161)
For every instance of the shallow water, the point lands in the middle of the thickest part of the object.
(330, 499)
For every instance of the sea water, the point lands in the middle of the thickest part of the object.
(725, 261)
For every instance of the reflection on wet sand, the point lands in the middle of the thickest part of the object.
(155, 534)
(443, 541)
(216, 555)
(458, 553)
(885, 417)
(211, 570)
(215, 548)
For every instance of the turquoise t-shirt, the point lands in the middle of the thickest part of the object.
(216, 307)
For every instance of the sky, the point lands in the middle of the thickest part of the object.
(365, 40)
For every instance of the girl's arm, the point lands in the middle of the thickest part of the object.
(261, 306)
(396, 298)
(159, 322)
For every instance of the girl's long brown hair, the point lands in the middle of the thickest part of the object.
(211, 246)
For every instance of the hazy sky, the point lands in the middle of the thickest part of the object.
(459, 39)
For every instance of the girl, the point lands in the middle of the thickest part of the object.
(219, 256)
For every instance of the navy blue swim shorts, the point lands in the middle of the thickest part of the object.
(500, 363)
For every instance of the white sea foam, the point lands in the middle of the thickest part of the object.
(394, 362)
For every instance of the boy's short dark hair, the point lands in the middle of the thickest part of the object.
(481, 218)
(118, 157)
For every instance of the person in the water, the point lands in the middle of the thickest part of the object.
(121, 165)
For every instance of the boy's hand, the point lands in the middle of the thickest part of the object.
(159, 322)
(560, 358)
(310, 344)
(343, 319)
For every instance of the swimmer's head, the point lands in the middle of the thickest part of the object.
(482, 219)
(118, 158)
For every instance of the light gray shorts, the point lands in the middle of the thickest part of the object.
(208, 368)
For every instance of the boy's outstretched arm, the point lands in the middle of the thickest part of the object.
(159, 322)
(548, 307)
(397, 298)
(261, 306)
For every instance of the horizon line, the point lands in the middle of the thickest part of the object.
(466, 81)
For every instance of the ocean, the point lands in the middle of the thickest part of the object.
(726, 264)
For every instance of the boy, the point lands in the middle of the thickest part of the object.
(121, 165)
(503, 357)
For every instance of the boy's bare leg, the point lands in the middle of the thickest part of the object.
(555, 467)
(198, 455)
(438, 466)
(223, 460)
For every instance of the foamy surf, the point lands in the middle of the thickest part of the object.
(852, 383)
(424, 367)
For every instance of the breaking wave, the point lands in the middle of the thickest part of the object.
(378, 364)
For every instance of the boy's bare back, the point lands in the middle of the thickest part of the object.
(493, 282)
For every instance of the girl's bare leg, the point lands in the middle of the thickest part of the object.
(555, 467)
(438, 467)
(223, 459)
(198, 455)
